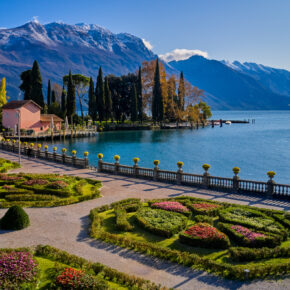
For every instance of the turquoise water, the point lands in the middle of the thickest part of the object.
(255, 148)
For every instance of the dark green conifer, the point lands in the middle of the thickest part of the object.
(53, 97)
(139, 96)
(48, 93)
(100, 95)
(181, 92)
(134, 109)
(26, 84)
(157, 101)
(36, 85)
(92, 101)
(63, 102)
(71, 98)
(108, 101)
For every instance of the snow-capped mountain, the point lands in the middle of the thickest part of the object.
(247, 86)
(277, 80)
(59, 47)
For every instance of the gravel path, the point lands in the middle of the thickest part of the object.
(66, 228)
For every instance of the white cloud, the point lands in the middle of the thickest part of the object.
(3, 27)
(147, 44)
(182, 54)
(35, 19)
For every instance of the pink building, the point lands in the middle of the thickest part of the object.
(30, 117)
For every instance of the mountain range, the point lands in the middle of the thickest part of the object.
(59, 47)
(237, 86)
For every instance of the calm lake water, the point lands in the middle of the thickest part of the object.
(255, 148)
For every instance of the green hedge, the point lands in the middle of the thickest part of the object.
(108, 273)
(204, 219)
(161, 222)
(241, 254)
(271, 240)
(122, 223)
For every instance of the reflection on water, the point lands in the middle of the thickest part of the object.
(256, 148)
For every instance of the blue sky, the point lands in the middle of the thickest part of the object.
(244, 30)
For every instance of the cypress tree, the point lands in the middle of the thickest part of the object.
(71, 98)
(48, 93)
(181, 92)
(92, 101)
(134, 105)
(26, 83)
(157, 101)
(63, 102)
(108, 100)
(139, 96)
(36, 85)
(53, 97)
(100, 95)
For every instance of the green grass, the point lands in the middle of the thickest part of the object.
(48, 274)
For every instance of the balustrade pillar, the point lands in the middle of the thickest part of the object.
(206, 180)
(63, 157)
(117, 167)
(136, 170)
(100, 165)
(179, 176)
(270, 188)
(156, 173)
(236, 184)
(86, 162)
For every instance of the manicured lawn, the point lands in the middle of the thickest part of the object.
(6, 165)
(260, 230)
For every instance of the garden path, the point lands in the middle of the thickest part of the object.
(66, 228)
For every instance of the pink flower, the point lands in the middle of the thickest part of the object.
(171, 206)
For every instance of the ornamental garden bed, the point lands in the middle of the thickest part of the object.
(45, 190)
(6, 165)
(210, 240)
(49, 268)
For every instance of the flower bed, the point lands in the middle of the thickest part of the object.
(204, 208)
(174, 206)
(43, 190)
(205, 236)
(17, 268)
(161, 222)
(213, 260)
(253, 219)
(250, 238)
(78, 279)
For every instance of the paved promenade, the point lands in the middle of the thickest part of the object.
(66, 228)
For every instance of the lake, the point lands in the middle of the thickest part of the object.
(255, 148)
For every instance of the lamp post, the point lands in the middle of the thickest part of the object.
(19, 146)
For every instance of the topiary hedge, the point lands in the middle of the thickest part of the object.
(122, 223)
(14, 219)
(242, 254)
(161, 222)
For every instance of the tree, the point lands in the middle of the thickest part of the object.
(108, 101)
(92, 101)
(53, 97)
(205, 110)
(71, 98)
(100, 95)
(36, 85)
(63, 102)
(25, 86)
(148, 72)
(134, 104)
(181, 92)
(171, 106)
(81, 84)
(157, 101)
(48, 93)
(139, 95)
(3, 97)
